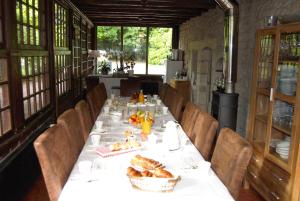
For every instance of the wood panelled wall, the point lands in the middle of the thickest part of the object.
(43, 64)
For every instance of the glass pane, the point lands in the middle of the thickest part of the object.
(26, 109)
(4, 96)
(260, 126)
(160, 43)
(282, 121)
(109, 40)
(288, 63)
(134, 47)
(3, 70)
(265, 63)
(6, 120)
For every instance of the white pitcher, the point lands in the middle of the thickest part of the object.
(171, 136)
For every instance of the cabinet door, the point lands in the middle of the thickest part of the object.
(262, 84)
(284, 83)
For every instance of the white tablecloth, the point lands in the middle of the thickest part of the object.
(107, 179)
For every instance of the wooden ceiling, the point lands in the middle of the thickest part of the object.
(142, 12)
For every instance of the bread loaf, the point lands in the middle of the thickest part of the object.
(145, 163)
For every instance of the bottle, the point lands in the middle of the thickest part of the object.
(141, 97)
(146, 124)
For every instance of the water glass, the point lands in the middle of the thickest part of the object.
(95, 139)
(106, 109)
(165, 110)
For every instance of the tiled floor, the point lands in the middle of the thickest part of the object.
(38, 192)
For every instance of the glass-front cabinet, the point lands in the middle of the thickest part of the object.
(272, 126)
(275, 86)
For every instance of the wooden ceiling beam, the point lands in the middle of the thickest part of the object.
(135, 20)
(138, 16)
(140, 12)
(133, 24)
(87, 9)
(151, 3)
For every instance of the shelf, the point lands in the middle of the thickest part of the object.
(288, 58)
(284, 129)
(289, 99)
(274, 153)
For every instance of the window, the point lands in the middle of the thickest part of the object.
(89, 46)
(160, 43)
(77, 56)
(62, 62)
(149, 47)
(109, 39)
(35, 84)
(60, 25)
(30, 30)
(5, 110)
(63, 74)
(89, 38)
(1, 16)
(135, 46)
(83, 36)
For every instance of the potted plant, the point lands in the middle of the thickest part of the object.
(104, 67)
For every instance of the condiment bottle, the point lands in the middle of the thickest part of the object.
(141, 97)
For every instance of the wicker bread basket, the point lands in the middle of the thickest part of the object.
(154, 183)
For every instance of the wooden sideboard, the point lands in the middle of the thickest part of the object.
(183, 87)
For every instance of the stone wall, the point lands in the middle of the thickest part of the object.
(252, 13)
(199, 34)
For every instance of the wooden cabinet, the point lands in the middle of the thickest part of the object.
(273, 125)
(182, 87)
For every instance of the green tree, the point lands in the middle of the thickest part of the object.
(159, 45)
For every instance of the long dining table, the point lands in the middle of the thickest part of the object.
(107, 178)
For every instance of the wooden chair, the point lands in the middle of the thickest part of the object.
(70, 121)
(128, 87)
(53, 149)
(189, 117)
(204, 133)
(169, 93)
(176, 105)
(230, 159)
(84, 114)
(162, 91)
(95, 103)
(100, 90)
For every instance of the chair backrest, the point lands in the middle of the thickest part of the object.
(189, 117)
(129, 86)
(230, 159)
(162, 91)
(84, 114)
(176, 105)
(149, 87)
(95, 103)
(56, 159)
(70, 121)
(169, 93)
(204, 133)
(100, 90)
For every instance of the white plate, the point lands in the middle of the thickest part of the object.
(283, 144)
